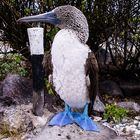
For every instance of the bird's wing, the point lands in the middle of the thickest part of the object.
(47, 64)
(92, 73)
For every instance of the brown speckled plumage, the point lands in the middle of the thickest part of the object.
(72, 18)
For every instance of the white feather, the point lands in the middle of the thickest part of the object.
(68, 58)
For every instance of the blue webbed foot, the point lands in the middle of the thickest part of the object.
(84, 121)
(62, 118)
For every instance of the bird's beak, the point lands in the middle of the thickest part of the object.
(49, 17)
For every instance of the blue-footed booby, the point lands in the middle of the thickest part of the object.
(74, 66)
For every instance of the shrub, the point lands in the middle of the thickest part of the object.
(49, 87)
(114, 113)
(12, 63)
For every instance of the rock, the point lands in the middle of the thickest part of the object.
(133, 126)
(137, 132)
(74, 132)
(137, 118)
(130, 129)
(6, 139)
(1, 136)
(104, 58)
(136, 122)
(16, 89)
(1, 114)
(130, 105)
(139, 126)
(98, 105)
(21, 117)
(17, 117)
(110, 87)
(97, 119)
(130, 88)
(117, 126)
(124, 120)
(1, 89)
(38, 121)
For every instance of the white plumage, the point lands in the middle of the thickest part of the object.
(68, 58)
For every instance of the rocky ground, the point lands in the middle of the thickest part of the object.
(128, 128)
(17, 121)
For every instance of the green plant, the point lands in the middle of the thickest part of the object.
(49, 87)
(114, 113)
(52, 32)
(12, 63)
(27, 11)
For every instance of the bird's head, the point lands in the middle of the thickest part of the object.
(64, 17)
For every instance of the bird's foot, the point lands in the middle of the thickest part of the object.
(62, 118)
(84, 121)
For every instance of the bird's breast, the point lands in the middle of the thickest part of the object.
(68, 58)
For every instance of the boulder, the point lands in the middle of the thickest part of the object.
(130, 105)
(110, 87)
(98, 105)
(130, 88)
(16, 89)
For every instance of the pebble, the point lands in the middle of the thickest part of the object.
(139, 126)
(117, 126)
(97, 119)
(133, 126)
(136, 122)
(129, 128)
(38, 121)
(137, 132)
(137, 118)
(124, 120)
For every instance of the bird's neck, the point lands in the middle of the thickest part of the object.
(81, 33)
(81, 36)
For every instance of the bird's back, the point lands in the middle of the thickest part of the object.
(68, 59)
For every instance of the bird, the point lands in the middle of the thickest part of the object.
(73, 65)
